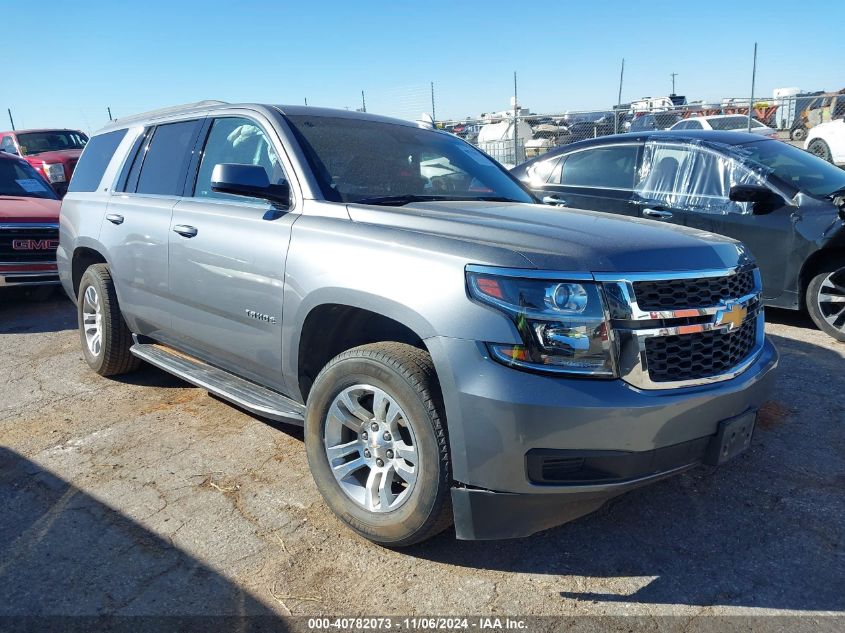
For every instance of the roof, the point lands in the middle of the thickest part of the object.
(714, 137)
(203, 106)
(43, 129)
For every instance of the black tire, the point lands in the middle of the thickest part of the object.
(829, 281)
(798, 133)
(113, 357)
(819, 148)
(406, 374)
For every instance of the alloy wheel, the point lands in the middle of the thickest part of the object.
(831, 299)
(92, 320)
(371, 448)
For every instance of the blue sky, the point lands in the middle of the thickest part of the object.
(71, 63)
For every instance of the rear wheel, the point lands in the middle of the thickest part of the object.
(376, 443)
(826, 300)
(105, 338)
(819, 148)
(798, 133)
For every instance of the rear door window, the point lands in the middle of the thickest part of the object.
(166, 158)
(94, 161)
(602, 167)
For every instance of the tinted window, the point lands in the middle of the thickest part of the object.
(539, 172)
(693, 125)
(239, 141)
(96, 157)
(357, 159)
(167, 157)
(19, 179)
(605, 167)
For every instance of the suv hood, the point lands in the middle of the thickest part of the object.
(20, 209)
(568, 240)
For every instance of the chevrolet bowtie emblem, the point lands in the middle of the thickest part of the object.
(732, 315)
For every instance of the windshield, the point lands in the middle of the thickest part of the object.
(51, 141)
(18, 178)
(733, 123)
(357, 160)
(800, 169)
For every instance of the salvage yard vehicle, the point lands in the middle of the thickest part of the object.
(786, 205)
(827, 141)
(29, 226)
(455, 351)
(53, 153)
(724, 123)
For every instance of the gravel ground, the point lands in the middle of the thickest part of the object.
(146, 496)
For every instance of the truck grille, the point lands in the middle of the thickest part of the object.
(22, 243)
(701, 355)
(654, 296)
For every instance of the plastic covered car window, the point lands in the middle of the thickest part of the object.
(692, 177)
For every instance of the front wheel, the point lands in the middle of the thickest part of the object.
(826, 300)
(376, 443)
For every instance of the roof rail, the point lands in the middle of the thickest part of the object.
(170, 110)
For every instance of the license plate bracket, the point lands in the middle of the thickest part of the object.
(732, 438)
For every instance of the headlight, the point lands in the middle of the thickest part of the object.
(562, 323)
(55, 172)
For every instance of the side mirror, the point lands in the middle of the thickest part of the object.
(248, 180)
(765, 200)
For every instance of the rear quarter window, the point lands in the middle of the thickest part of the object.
(94, 160)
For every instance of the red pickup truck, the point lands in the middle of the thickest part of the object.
(29, 225)
(54, 153)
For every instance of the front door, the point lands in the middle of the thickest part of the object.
(690, 185)
(227, 260)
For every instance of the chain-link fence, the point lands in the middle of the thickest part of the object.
(514, 136)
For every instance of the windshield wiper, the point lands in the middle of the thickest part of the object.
(401, 200)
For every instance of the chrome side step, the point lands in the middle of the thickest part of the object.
(245, 394)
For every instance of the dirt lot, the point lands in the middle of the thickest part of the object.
(146, 496)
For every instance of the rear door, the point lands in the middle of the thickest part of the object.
(137, 223)
(690, 185)
(596, 178)
(227, 257)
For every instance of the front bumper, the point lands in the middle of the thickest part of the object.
(28, 274)
(499, 416)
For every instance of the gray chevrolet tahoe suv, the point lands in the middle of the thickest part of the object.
(455, 351)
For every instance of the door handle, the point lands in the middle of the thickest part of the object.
(185, 230)
(655, 213)
(114, 218)
(555, 200)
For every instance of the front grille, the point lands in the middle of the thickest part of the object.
(34, 244)
(700, 355)
(704, 292)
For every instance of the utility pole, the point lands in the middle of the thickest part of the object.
(753, 78)
(673, 82)
(363, 102)
(306, 100)
(515, 128)
(11, 120)
(619, 99)
(108, 109)
(433, 117)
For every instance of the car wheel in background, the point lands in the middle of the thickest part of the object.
(376, 442)
(798, 133)
(826, 300)
(819, 148)
(105, 338)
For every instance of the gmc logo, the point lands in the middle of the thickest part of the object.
(35, 245)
